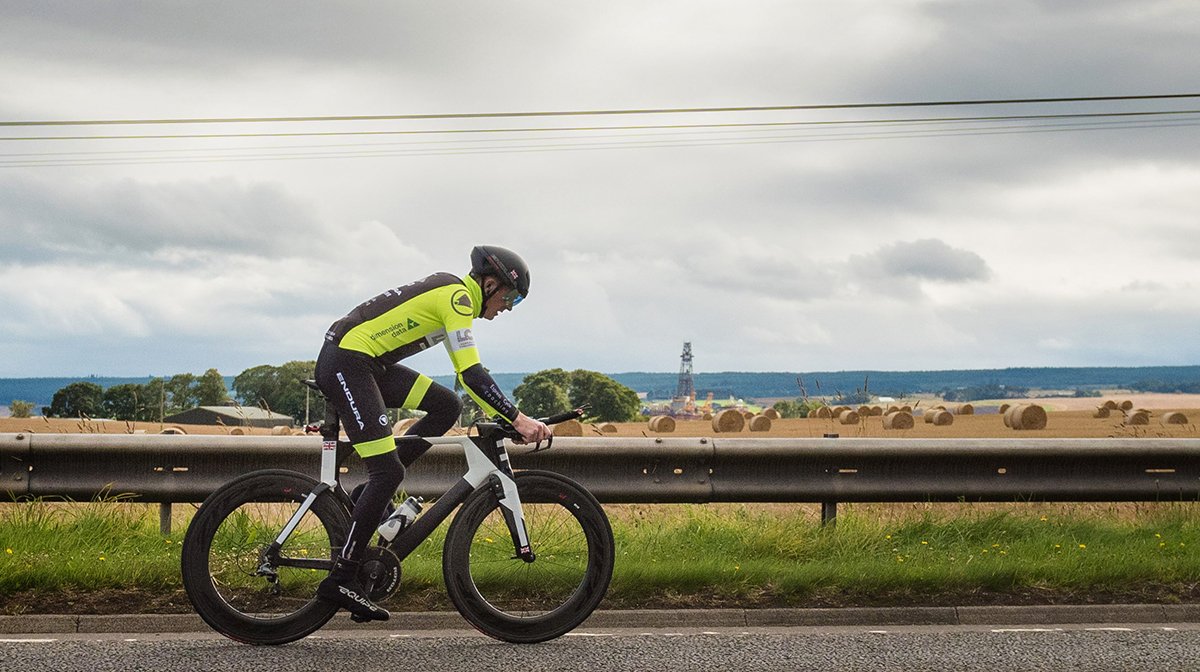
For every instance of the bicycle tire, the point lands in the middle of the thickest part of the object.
(221, 551)
(514, 601)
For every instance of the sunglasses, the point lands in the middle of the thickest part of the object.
(511, 298)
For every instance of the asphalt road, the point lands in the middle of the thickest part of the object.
(1076, 648)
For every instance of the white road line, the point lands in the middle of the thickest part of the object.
(1028, 630)
(27, 641)
(1109, 629)
(590, 634)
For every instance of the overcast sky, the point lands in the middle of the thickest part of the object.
(794, 248)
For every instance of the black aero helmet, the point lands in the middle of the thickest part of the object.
(504, 264)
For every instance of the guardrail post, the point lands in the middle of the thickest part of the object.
(829, 509)
(828, 514)
(164, 519)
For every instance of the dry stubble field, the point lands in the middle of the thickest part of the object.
(1068, 418)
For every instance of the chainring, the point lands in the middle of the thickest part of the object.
(379, 573)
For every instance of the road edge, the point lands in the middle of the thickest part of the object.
(664, 618)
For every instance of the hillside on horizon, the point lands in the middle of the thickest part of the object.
(752, 384)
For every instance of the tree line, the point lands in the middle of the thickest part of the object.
(279, 389)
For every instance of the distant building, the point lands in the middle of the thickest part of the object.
(231, 416)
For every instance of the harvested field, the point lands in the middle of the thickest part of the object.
(986, 422)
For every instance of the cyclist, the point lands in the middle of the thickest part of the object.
(358, 371)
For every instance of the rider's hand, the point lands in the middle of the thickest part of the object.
(533, 431)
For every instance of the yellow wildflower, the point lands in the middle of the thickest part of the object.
(1083, 545)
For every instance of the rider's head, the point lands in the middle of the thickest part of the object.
(503, 276)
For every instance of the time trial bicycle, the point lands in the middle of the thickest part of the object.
(527, 558)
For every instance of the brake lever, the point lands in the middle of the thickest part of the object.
(538, 447)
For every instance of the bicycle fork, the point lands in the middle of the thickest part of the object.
(499, 476)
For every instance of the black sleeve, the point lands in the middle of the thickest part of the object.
(481, 385)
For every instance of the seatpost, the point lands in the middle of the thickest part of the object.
(329, 439)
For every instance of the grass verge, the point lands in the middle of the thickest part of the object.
(108, 557)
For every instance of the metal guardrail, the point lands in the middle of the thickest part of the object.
(165, 468)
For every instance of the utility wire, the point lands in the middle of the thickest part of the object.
(562, 129)
(561, 113)
(580, 146)
(675, 132)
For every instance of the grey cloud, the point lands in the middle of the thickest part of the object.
(48, 218)
(926, 259)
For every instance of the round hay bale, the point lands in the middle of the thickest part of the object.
(837, 410)
(821, 412)
(928, 416)
(848, 417)
(1008, 415)
(1111, 405)
(941, 418)
(708, 416)
(239, 431)
(1027, 416)
(876, 410)
(1174, 418)
(760, 423)
(728, 420)
(771, 413)
(898, 420)
(1102, 412)
(172, 430)
(607, 428)
(1137, 418)
(570, 427)
(281, 430)
(1126, 405)
(864, 411)
(906, 409)
(1004, 408)
(402, 426)
(892, 409)
(662, 423)
(964, 409)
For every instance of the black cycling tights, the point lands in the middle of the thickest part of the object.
(386, 471)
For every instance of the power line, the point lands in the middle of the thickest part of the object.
(559, 129)
(568, 113)
(676, 131)
(542, 148)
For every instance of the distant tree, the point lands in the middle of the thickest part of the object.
(607, 400)
(75, 400)
(153, 395)
(125, 402)
(21, 409)
(181, 392)
(276, 388)
(541, 397)
(210, 389)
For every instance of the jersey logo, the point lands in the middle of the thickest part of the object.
(412, 324)
(461, 340)
(461, 302)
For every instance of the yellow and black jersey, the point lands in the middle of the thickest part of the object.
(406, 320)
